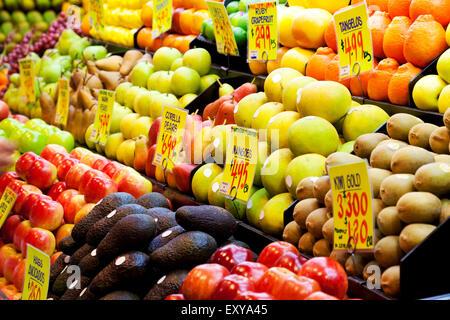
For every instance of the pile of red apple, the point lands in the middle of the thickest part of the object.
(280, 273)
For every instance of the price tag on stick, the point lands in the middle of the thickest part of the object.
(37, 275)
(27, 83)
(7, 202)
(62, 108)
(225, 41)
(96, 14)
(352, 206)
(240, 164)
(162, 17)
(102, 121)
(170, 137)
(354, 41)
(262, 31)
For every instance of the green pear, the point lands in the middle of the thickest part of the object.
(272, 215)
(255, 205)
(119, 112)
(140, 74)
(273, 171)
(130, 96)
(112, 144)
(307, 165)
(225, 89)
(94, 53)
(51, 73)
(246, 108)
(202, 180)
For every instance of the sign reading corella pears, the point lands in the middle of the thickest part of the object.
(262, 31)
(37, 275)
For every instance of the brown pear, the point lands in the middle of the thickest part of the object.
(110, 79)
(48, 107)
(85, 98)
(92, 68)
(93, 82)
(112, 63)
(130, 59)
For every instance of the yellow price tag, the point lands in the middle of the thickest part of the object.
(74, 10)
(354, 40)
(62, 108)
(6, 204)
(27, 84)
(162, 17)
(102, 122)
(240, 164)
(37, 275)
(170, 137)
(96, 14)
(262, 31)
(352, 206)
(225, 41)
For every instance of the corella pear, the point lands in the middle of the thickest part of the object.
(121, 90)
(140, 74)
(119, 112)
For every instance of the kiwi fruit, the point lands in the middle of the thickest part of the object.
(390, 281)
(393, 141)
(365, 143)
(445, 210)
(382, 155)
(409, 159)
(292, 233)
(355, 265)
(339, 256)
(388, 252)
(305, 188)
(329, 201)
(395, 186)
(340, 158)
(447, 118)
(440, 140)
(316, 220)
(377, 176)
(419, 135)
(444, 158)
(399, 125)
(321, 187)
(388, 221)
(328, 231)
(377, 206)
(303, 209)
(321, 248)
(419, 207)
(306, 243)
(366, 274)
(413, 234)
(434, 178)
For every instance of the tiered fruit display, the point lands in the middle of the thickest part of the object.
(410, 177)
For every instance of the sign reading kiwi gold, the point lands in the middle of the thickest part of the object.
(352, 206)
(240, 164)
(262, 31)
(6, 204)
(225, 41)
(354, 40)
(102, 121)
(37, 275)
(96, 14)
(170, 137)
(162, 17)
(62, 108)
(27, 84)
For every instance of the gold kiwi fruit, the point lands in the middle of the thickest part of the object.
(419, 207)
(409, 159)
(447, 118)
(388, 221)
(329, 201)
(368, 273)
(395, 186)
(413, 234)
(419, 135)
(365, 143)
(382, 155)
(376, 177)
(445, 158)
(355, 265)
(445, 210)
(303, 209)
(321, 248)
(388, 252)
(433, 177)
(321, 187)
(339, 256)
(292, 233)
(399, 124)
(305, 188)
(377, 206)
(440, 140)
(390, 141)
(328, 231)
(390, 281)
(306, 243)
(340, 158)
(316, 220)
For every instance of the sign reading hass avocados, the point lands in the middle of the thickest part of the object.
(240, 164)
(225, 41)
(27, 83)
(162, 17)
(354, 40)
(262, 31)
(352, 206)
(7, 202)
(170, 137)
(96, 14)
(37, 275)
(103, 115)
(62, 108)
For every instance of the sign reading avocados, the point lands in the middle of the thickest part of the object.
(37, 275)
(102, 121)
(6, 204)
(263, 31)
(27, 83)
(225, 41)
(352, 206)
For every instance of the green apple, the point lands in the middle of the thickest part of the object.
(9, 125)
(121, 90)
(444, 99)
(198, 59)
(160, 81)
(127, 123)
(51, 73)
(63, 138)
(141, 127)
(164, 57)
(426, 92)
(140, 74)
(15, 79)
(32, 141)
(112, 144)
(33, 123)
(225, 89)
(207, 80)
(443, 66)
(185, 80)
(94, 53)
(165, 99)
(177, 63)
(119, 112)
(130, 96)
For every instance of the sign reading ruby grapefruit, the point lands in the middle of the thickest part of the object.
(262, 31)
(162, 17)
(96, 14)
(354, 40)
(240, 164)
(62, 108)
(102, 121)
(6, 204)
(27, 83)
(37, 275)
(170, 137)
(352, 206)
(225, 41)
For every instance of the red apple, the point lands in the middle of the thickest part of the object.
(231, 286)
(6, 251)
(111, 168)
(123, 172)
(20, 233)
(202, 281)
(74, 175)
(175, 296)
(99, 164)
(90, 158)
(46, 214)
(252, 270)
(79, 153)
(42, 174)
(150, 168)
(4, 110)
(274, 251)
(10, 225)
(65, 166)
(20, 118)
(296, 288)
(6, 178)
(10, 264)
(290, 261)
(29, 202)
(41, 239)
(230, 256)
(72, 207)
(87, 176)
(24, 163)
(319, 295)
(98, 187)
(15, 185)
(58, 157)
(56, 190)
(19, 274)
(182, 173)
(50, 150)
(154, 131)
(273, 279)
(65, 196)
(136, 185)
(24, 191)
(250, 295)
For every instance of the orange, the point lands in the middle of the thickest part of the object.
(398, 90)
(330, 36)
(144, 38)
(187, 21)
(272, 65)
(378, 83)
(199, 4)
(168, 41)
(199, 17)
(185, 43)
(177, 4)
(398, 8)
(355, 86)
(258, 68)
(425, 41)
(177, 42)
(439, 9)
(378, 24)
(394, 38)
(317, 64)
(147, 14)
(85, 25)
(332, 72)
(378, 5)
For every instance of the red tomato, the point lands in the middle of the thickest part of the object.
(272, 279)
(230, 256)
(231, 286)
(250, 295)
(177, 296)
(274, 251)
(290, 261)
(252, 270)
(296, 288)
(329, 273)
(319, 295)
(201, 281)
